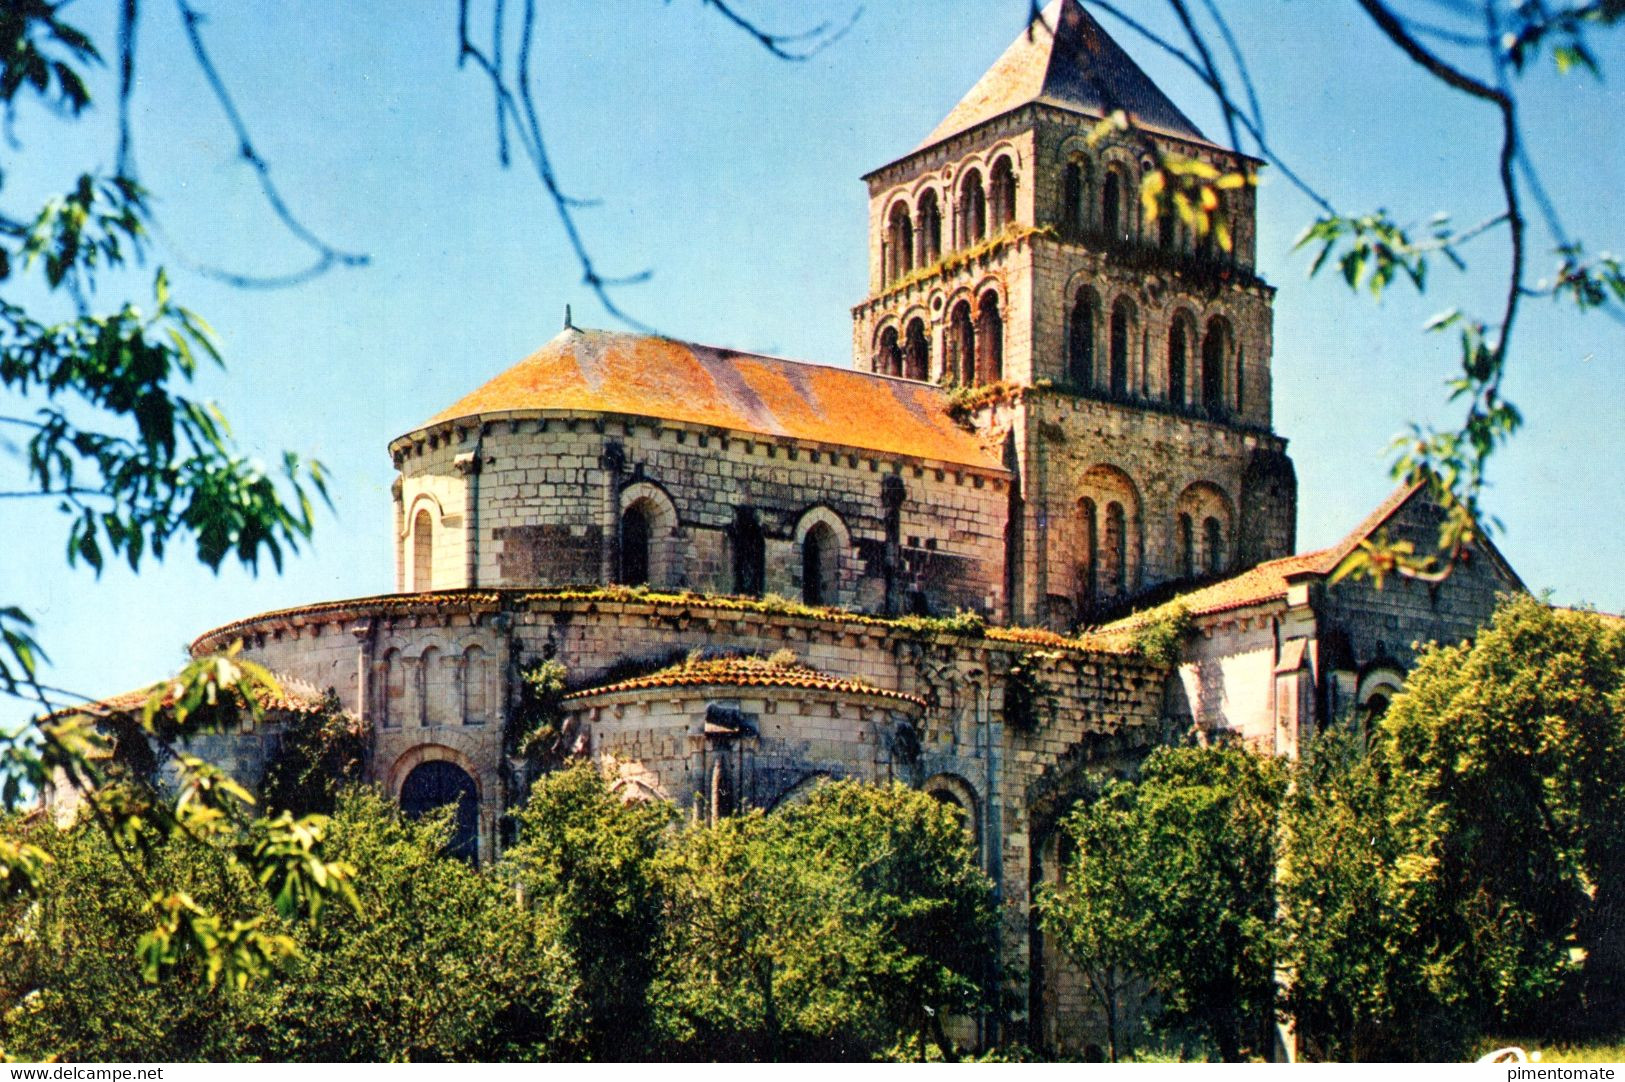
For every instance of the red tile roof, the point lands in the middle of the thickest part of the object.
(1066, 59)
(641, 375)
(745, 672)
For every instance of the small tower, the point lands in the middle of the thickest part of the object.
(1134, 358)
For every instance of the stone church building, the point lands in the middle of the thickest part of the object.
(1058, 414)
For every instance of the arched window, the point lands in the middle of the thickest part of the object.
(889, 359)
(1206, 511)
(1089, 550)
(749, 553)
(962, 345)
(1116, 546)
(435, 784)
(1215, 348)
(636, 533)
(1121, 335)
(930, 230)
(476, 693)
(1178, 350)
(428, 698)
(989, 340)
(422, 550)
(899, 243)
(1003, 193)
(1111, 205)
(972, 209)
(1080, 351)
(917, 352)
(391, 690)
(1187, 546)
(1165, 227)
(820, 549)
(1118, 550)
(1213, 542)
(1072, 218)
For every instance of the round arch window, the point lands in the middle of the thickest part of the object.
(436, 784)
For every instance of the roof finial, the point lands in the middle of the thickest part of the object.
(567, 324)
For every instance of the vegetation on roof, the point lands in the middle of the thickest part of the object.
(960, 258)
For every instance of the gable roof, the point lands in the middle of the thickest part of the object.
(646, 376)
(1268, 581)
(1066, 59)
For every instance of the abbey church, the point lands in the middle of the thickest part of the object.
(936, 566)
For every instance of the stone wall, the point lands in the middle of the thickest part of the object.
(548, 498)
(1155, 467)
(429, 665)
(1380, 626)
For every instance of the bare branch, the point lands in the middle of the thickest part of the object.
(821, 36)
(1256, 133)
(327, 256)
(128, 12)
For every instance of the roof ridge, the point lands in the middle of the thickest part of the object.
(665, 378)
(1065, 58)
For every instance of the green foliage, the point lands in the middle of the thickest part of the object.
(317, 755)
(962, 622)
(1174, 874)
(965, 401)
(1028, 701)
(434, 962)
(533, 729)
(135, 464)
(43, 54)
(1507, 763)
(1099, 911)
(845, 927)
(1161, 640)
(585, 863)
(438, 962)
(1371, 976)
(1464, 874)
(71, 989)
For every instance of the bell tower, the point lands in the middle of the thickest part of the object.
(1125, 362)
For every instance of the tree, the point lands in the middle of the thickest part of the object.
(318, 754)
(438, 962)
(1184, 865)
(136, 465)
(847, 927)
(69, 988)
(1370, 973)
(584, 861)
(1507, 760)
(1099, 910)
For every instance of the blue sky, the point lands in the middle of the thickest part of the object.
(733, 177)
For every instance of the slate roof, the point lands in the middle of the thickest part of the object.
(642, 375)
(1066, 59)
(744, 672)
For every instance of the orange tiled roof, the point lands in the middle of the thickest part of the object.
(1066, 59)
(745, 672)
(612, 372)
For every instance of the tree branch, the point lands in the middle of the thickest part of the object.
(327, 256)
